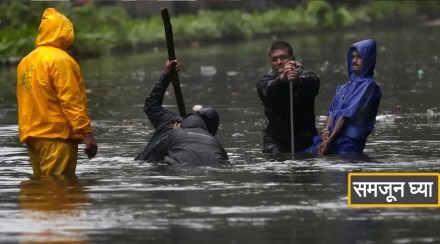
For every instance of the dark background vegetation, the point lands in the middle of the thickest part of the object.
(106, 27)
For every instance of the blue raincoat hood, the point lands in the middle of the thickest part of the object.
(367, 50)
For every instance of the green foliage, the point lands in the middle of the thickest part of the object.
(391, 11)
(278, 21)
(16, 41)
(343, 17)
(318, 14)
(196, 27)
(99, 30)
(13, 13)
(208, 25)
(142, 31)
(235, 25)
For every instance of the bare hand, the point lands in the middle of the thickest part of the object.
(290, 72)
(91, 148)
(324, 147)
(171, 66)
(290, 65)
(176, 125)
(325, 135)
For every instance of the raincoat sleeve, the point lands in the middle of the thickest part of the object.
(359, 99)
(156, 149)
(334, 104)
(153, 104)
(160, 150)
(270, 88)
(307, 85)
(69, 86)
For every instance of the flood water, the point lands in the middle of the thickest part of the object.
(259, 199)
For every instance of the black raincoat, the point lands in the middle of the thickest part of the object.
(191, 144)
(275, 97)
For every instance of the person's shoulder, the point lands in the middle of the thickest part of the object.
(167, 125)
(369, 85)
(28, 57)
(308, 74)
(344, 85)
(369, 82)
(347, 83)
(373, 81)
(377, 88)
(270, 75)
(304, 73)
(56, 54)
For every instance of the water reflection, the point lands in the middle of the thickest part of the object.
(50, 204)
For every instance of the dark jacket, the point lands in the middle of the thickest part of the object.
(190, 144)
(275, 97)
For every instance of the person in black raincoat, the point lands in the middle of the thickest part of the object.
(273, 90)
(178, 140)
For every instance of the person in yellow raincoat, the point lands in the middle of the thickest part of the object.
(52, 104)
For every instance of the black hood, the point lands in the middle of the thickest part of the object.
(211, 118)
(193, 121)
(205, 118)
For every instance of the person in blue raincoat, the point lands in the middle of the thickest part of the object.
(354, 107)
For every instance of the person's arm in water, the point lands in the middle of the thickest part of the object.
(153, 104)
(328, 137)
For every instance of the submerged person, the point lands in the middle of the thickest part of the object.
(354, 107)
(52, 103)
(178, 140)
(273, 90)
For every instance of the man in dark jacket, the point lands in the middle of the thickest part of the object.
(178, 140)
(273, 90)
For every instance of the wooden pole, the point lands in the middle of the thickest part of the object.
(172, 56)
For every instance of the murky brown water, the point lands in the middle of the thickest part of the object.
(258, 199)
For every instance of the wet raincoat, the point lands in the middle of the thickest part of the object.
(275, 97)
(358, 101)
(192, 144)
(51, 94)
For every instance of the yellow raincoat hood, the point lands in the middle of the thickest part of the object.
(51, 94)
(55, 30)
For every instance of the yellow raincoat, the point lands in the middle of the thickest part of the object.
(51, 94)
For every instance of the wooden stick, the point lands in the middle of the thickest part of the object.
(172, 56)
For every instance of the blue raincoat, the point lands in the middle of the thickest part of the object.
(358, 101)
